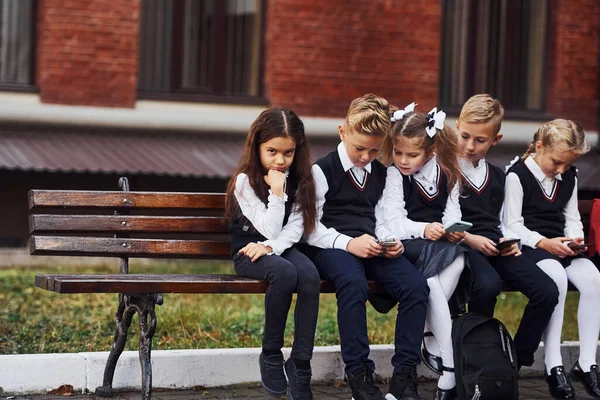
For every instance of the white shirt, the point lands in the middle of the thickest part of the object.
(512, 217)
(268, 220)
(478, 177)
(329, 238)
(390, 212)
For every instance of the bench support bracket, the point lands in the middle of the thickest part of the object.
(129, 304)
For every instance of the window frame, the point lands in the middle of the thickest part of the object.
(33, 87)
(516, 113)
(187, 95)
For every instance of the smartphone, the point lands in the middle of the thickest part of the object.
(386, 243)
(457, 226)
(581, 246)
(507, 243)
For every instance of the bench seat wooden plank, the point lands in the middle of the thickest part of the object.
(118, 199)
(125, 223)
(126, 247)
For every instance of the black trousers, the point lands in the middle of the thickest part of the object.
(523, 275)
(292, 271)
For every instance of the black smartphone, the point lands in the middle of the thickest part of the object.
(507, 243)
(581, 246)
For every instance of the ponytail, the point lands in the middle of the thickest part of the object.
(446, 149)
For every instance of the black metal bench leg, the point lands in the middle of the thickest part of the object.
(123, 321)
(147, 329)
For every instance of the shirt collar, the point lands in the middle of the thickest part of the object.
(346, 163)
(468, 165)
(429, 170)
(536, 170)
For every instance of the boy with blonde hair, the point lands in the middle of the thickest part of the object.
(349, 183)
(482, 200)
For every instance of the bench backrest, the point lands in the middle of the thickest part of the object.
(128, 224)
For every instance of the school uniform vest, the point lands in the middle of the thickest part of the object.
(419, 205)
(544, 213)
(243, 232)
(350, 205)
(481, 206)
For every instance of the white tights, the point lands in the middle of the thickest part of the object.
(441, 288)
(584, 275)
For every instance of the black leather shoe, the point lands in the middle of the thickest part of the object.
(445, 394)
(431, 361)
(559, 384)
(404, 385)
(589, 379)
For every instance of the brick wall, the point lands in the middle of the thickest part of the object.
(87, 52)
(574, 65)
(322, 54)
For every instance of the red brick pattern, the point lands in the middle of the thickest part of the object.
(88, 51)
(322, 54)
(574, 65)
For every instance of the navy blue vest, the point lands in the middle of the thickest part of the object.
(481, 206)
(243, 232)
(419, 205)
(350, 205)
(542, 213)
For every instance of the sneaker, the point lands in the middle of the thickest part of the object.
(363, 387)
(272, 377)
(299, 381)
(403, 386)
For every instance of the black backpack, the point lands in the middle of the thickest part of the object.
(484, 359)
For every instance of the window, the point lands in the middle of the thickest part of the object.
(201, 48)
(17, 38)
(496, 47)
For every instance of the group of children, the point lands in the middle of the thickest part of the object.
(376, 208)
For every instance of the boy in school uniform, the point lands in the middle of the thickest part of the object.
(481, 202)
(349, 183)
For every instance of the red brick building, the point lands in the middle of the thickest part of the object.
(163, 90)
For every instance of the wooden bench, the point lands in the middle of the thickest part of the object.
(128, 224)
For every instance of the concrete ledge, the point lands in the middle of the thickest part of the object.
(181, 369)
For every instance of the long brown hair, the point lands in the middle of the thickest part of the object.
(444, 143)
(273, 123)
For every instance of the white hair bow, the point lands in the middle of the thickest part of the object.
(435, 121)
(514, 160)
(399, 114)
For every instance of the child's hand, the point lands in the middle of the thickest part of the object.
(512, 250)
(456, 237)
(254, 251)
(482, 244)
(556, 246)
(578, 242)
(393, 251)
(276, 180)
(364, 246)
(434, 231)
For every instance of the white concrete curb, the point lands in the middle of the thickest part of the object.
(180, 369)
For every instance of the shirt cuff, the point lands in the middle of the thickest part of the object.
(267, 243)
(417, 231)
(277, 199)
(533, 240)
(574, 233)
(341, 242)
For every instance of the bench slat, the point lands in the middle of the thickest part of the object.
(125, 247)
(124, 223)
(112, 199)
(165, 283)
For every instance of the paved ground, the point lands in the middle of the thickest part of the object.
(529, 388)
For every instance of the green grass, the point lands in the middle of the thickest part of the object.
(37, 321)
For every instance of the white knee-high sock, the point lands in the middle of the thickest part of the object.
(586, 278)
(556, 271)
(438, 315)
(448, 280)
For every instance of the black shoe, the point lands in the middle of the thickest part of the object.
(403, 386)
(559, 384)
(299, 381)
(432, 362)
(362, 386)
(272, 377)
(589, 379)
(445, 394)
